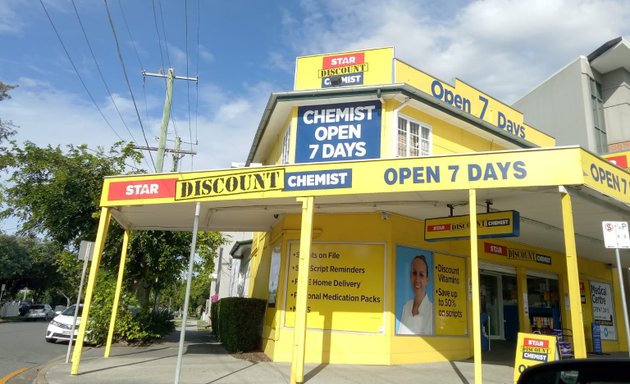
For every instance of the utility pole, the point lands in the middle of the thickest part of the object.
(176, 154)
(166, 114)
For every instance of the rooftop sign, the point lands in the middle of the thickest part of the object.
(473, 102)
(369, 67)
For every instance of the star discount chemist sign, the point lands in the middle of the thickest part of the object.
(337, 132)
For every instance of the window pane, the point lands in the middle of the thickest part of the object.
(414, 139)
(402, 137)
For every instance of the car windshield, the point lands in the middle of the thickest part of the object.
(37, 306)
(70, 311)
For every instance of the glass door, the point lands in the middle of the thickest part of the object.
(491, 301)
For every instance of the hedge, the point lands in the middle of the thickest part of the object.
(237, 322)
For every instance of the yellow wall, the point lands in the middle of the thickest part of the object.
(275, 155)
(347, 347)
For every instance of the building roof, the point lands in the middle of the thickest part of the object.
(612, 55)
(280, 105)
(241, 248)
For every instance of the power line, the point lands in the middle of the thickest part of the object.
(168, 57)
(98, 67)
(77, 71)
(192, 160)
(187, 69)
(122, 63)
(157, 31)
(133, 41)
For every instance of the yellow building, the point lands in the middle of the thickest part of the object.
(423, 208)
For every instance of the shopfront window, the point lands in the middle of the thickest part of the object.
(544, 304)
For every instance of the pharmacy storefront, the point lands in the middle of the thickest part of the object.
(401, 220)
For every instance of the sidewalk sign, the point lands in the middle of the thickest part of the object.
(533, 349)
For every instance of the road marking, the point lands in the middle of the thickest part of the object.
(11, 375)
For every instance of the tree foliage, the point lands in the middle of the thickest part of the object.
(7, 128)
(56, 194)
(29, 263)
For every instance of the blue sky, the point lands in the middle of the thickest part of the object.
(244, 50)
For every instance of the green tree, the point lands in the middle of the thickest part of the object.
(7, 128)
(4, 90)
(56, 194)
(29, 263)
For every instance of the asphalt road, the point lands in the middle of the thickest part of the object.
(22, 345)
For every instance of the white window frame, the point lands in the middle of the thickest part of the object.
(409, 150)
(286, 138)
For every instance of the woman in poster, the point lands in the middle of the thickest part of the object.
(417, 314)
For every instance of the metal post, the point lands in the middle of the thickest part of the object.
(76, 309)
(182, 334)
(623, 300)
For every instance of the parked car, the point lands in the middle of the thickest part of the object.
(24, 306)
(40, 312)
(59, 309)
(61, 326)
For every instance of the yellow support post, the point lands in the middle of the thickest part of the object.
(121, 272)
(299, 337)
(101, 235)
(573, 276)
(474, 271)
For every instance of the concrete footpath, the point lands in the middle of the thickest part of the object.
(206, 361)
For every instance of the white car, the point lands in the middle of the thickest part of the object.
(60, 327)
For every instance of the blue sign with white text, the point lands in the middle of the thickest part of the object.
(337, 132)
(340, 178)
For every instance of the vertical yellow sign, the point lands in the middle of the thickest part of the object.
(345, 287)
(450, 295)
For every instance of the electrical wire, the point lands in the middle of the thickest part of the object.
(77, 71)
(196, 142)
(134, 167)
(98, 67)
(122, 63)
(168, 57)
(187, 69)
(133, 41)
(157, 31)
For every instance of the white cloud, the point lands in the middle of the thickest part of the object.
(228, 126)
(503, 47)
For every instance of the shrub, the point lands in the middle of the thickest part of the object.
(240, 322)
(214, 318)
(133, 325)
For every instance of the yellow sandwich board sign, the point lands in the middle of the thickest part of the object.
(533, 349)
(494, 224)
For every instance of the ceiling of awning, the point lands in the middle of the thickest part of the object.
(539, 208)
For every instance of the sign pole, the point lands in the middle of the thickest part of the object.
(84, 253)
(616, 235)
(623, 300)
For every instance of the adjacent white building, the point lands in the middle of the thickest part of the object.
(587, 102)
